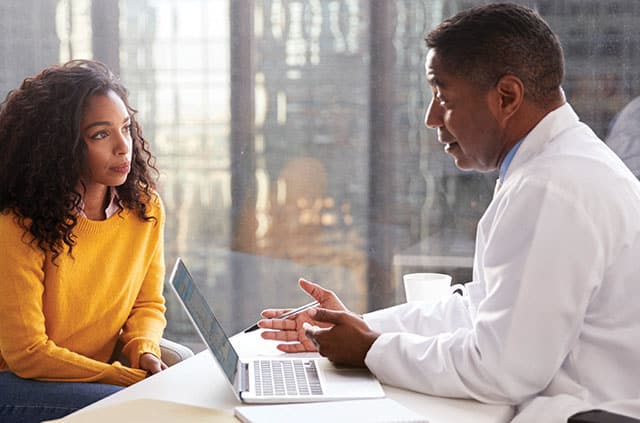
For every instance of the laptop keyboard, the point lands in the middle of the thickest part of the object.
(286, 377)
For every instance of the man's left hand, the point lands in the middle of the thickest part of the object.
(346, 342)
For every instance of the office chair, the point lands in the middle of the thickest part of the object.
(600, 416)
(173, 353)
(170, 353)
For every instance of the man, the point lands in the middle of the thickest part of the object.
(624, 137)
(548, 313)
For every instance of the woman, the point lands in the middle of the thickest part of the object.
(82, 259)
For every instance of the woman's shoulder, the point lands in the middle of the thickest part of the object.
(10, 221)
(155, 202)
(150, 199)
(14, 229)
(154, 207)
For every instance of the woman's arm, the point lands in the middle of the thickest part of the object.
(25, 346)
(143, 329)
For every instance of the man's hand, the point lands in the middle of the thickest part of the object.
(346, 341)
(151, 364)
(291, 330)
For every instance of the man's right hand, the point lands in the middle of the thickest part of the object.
(290, 330)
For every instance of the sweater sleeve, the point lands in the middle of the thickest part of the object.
(144, 327)
(25, 347)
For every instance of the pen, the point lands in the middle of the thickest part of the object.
(287, 314)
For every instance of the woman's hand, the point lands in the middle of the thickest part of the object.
(291, 330)
(151, 364)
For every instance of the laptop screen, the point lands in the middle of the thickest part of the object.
(203, 318)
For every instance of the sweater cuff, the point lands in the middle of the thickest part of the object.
(120, 375)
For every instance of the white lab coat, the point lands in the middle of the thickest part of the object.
(552, 310)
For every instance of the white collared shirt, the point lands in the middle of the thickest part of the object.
(551, 311)
(112, 208)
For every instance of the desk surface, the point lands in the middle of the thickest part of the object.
(199, 381)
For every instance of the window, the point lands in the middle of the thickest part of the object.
(290, 137)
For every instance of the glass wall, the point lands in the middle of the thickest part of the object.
(290, 136)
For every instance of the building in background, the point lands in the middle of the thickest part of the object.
(29, 40)
(289, 133)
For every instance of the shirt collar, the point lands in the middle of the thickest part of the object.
(504, 166)
(112, 208)
(114, 204)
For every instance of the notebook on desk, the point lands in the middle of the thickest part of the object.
(384, 410)
(270, 380)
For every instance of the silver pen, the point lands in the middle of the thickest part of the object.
(287, 314)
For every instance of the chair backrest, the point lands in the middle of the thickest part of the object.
(173, 353)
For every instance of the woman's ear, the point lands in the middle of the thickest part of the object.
(510, 90)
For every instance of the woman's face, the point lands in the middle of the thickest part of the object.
(106, 130)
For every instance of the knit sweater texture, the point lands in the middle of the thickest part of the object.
(61, 321)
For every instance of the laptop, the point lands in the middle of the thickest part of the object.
(283, 379)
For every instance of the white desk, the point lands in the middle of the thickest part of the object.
(199, 381)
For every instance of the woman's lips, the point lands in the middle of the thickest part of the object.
(123, 168)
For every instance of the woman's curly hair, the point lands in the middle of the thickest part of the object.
(42, 152)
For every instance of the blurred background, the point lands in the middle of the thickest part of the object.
(289, 133)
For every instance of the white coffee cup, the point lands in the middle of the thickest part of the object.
(429, 287)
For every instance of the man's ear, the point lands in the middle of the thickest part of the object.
(510, 90)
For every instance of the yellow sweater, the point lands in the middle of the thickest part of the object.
(61, 323)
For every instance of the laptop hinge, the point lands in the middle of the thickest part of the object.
(244, 377)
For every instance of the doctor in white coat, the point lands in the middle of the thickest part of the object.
(550, 321)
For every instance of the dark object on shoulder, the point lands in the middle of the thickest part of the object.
(600, 416)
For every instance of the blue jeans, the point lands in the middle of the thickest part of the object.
(26, 400)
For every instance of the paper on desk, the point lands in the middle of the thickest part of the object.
(251, 345)
(383, 410)
(142, 410)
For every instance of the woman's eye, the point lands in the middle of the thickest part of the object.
(99, 135)
(126, 129)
